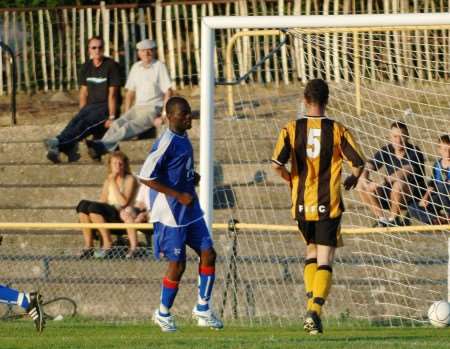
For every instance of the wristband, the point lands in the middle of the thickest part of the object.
(111, 117)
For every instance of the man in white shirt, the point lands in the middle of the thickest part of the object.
(149, 86)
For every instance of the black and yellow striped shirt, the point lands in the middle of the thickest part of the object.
(316, 147)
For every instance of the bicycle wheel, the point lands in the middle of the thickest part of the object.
(60, 308)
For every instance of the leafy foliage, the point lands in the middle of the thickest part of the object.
(53, 3)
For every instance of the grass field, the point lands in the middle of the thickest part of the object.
(91, 334)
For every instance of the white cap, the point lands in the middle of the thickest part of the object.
(145, 44)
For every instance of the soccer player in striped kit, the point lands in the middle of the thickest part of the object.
(316, 147)
(177, 216)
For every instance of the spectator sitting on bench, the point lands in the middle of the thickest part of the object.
(137, 213)
(149, 85)
(434, 207)
(118, 190)
(404, 179)
(100, 81)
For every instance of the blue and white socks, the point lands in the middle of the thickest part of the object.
(207, 276)
(169, 291)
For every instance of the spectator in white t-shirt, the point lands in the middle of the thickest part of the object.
(149, 86)
(139, 212)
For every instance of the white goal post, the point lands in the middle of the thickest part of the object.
(207, 74)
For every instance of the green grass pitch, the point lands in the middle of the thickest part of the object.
(81, 334)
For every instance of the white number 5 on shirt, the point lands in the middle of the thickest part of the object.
(313, 147)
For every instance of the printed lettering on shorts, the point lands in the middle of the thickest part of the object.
(177, 251)
(312, 208)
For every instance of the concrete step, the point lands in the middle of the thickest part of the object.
(256, 216)
(247, 128)
(35, 197)
(228, 131)
(237, 151)
(83, 174)
(229, 151)
(237, 197)
(224, 128)
(38, 215)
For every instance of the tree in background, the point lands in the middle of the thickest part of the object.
(53, 3)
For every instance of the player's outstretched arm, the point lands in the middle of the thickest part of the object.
(182, 198)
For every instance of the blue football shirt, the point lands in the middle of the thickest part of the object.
(171, 163)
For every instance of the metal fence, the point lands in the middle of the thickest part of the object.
(259, 278)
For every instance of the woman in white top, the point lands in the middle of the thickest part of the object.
(118, 190)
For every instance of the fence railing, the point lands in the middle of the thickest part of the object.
(250, 286)
(50, 43)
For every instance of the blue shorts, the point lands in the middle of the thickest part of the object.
(171, 241)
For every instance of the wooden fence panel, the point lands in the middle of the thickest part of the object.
(51, 43)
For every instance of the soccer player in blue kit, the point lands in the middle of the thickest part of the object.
(177, 217)
(31, 302)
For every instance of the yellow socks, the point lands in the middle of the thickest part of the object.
(321, 287)
(308, 277)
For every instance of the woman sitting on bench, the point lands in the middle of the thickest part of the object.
(118, 191)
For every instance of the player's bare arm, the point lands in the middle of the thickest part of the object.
(282, 172)
(183, 198)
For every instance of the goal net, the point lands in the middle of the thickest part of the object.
(377, 76)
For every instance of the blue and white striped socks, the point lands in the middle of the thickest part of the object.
(207, 277)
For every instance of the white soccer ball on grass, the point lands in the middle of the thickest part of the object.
(439, 314)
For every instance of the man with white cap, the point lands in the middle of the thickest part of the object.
(149, 87)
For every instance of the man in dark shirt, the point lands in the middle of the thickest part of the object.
(404, 180)
(100, 81)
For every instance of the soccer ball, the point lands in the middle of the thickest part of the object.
(439, 314)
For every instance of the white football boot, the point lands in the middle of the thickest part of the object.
(207, 319)
(166, 323)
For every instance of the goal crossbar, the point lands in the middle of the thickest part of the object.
(320, 21)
